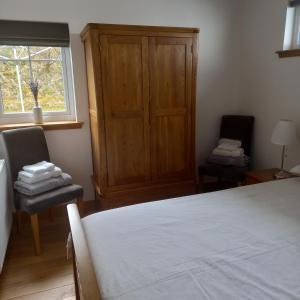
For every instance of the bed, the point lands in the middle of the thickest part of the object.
(242, 243)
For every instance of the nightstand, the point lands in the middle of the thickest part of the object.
(259, 176)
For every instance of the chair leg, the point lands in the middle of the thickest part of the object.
(36, 233)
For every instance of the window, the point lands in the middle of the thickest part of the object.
(292, 27)
(51, 67)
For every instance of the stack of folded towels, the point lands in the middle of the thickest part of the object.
(229, 152)
(40, 178)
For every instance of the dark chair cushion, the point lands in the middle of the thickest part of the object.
(230, 173)
(43, 201)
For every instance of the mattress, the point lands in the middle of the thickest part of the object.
(242, 243)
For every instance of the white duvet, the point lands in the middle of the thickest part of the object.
(242, 243)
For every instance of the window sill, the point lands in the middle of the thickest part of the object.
(288, 53)
(46, 126)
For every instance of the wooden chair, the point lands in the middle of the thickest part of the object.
(20, 147)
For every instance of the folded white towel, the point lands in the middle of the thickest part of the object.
(34, 178)
(230, 141)
(42, 186)
(228, 146)
(31, 178)
(234, 153)
(56, 172)
(39, 168)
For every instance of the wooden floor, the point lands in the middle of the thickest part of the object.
(49, 276)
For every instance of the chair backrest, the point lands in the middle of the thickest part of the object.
(20, 147)
(238, 128)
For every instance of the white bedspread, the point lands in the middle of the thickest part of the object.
(242, 243)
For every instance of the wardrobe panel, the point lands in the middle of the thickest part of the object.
(169, 76)
(127, 147)
(125, 94)
(170, 98)
(170, 144)
(124, 73)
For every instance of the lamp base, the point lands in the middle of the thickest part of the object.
(282, 174)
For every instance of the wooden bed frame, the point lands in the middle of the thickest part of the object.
(86, 286)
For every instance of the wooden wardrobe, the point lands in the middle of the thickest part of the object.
(142, 86)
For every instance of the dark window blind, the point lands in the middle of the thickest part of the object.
(24, 33)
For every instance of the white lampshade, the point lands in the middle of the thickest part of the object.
(284, 133)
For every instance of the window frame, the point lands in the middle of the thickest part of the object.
(292, 29)
(296, 30)
(68, 115)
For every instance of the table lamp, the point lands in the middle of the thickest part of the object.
(283, 135)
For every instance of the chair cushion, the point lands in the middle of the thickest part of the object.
(242, 161)
(43, 201)
(230, 173)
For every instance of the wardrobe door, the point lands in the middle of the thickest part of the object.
(125, 88)
(170, 107)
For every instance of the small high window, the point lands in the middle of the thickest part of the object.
(292, 27)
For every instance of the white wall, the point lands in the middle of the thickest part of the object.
(71, 149)
(217, 88)
(269, 86)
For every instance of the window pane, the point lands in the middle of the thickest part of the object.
(13, 52)
(298, 31)
(45, 53)
(9, 92)
(297, 26)
(26, 92)
(50, 77)
(21, 52)
(6, 52)
(47, 69)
